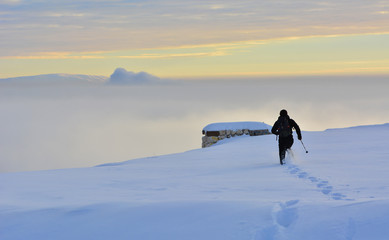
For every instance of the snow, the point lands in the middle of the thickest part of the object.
(233, 190)
(63, 79)
(236, 126)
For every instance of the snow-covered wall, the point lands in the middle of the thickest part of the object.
(218, 131)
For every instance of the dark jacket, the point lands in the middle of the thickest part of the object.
(292, 125)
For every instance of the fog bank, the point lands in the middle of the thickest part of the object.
(45, 126)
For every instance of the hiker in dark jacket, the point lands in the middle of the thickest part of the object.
(283, 129)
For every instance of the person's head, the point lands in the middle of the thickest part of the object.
(283, 112)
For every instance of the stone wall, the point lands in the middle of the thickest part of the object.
(212, 137)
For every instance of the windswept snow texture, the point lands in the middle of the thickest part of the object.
(236, 126)
(235, 190)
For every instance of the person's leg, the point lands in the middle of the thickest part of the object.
(282, 152)
(289, 142)
(284, 144)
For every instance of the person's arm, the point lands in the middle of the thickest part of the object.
(298, 131)
(274, 129)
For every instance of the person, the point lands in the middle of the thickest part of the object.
(283, 128)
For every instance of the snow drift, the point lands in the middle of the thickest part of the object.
(233, 190)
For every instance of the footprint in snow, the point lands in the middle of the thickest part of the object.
(284, 215)
(294, 171)
(326, 190)
(322, 184)
(303, 175)
(338, 196)
(313, 179)
(287, 213)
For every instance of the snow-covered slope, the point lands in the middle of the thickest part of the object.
(56, 79)
(233, 190)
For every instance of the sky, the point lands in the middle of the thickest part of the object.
(201, 39)
(151, 74)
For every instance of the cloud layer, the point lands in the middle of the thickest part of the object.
(32, 27)
(46, 126)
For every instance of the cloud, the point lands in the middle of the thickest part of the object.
(123, 77)
(176, 55)
(80, 26)
(10, 2)
(58, 55)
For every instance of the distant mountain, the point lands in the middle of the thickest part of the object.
(57, 79)
(120, 77)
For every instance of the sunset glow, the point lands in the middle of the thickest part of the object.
(173, 39)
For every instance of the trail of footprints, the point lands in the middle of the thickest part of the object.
(323, 186)
(284, 214)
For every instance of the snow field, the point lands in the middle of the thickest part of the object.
(235, 189)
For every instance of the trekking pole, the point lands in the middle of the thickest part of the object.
(303, 146)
